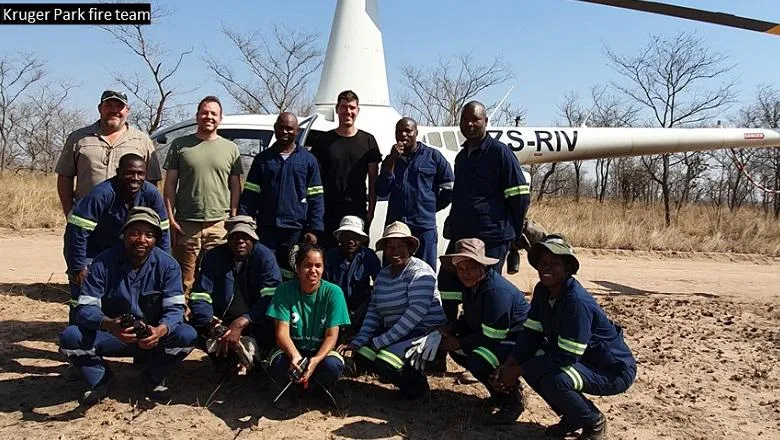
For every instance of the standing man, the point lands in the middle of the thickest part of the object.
(419, 181)
(347, 156)
(91, 154)
(489, 200)
(283, 191)
(202, 186)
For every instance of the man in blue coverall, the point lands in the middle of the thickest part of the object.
(489, 199)
(96, 221)
(283, 192)
(236, 284)
(419, 181)
(137, 278)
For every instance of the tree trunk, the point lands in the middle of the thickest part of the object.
(665, 191)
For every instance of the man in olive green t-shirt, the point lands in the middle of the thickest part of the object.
(202, 187)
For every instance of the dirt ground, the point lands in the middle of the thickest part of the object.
(705, 329)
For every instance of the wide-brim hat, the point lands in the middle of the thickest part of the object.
(472, 248)
(558, 244)
(145, 215)
(398, 230)
(241, 223)
(351, 223)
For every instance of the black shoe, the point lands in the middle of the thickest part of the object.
(511, 408)
(156, 392)
(72, 373)
(559, 430)
(597, 431)
(99, 391)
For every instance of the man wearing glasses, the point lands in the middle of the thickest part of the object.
(91, 154)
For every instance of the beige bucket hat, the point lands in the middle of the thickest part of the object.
(241, 223)
(398, 230)
(472, 248)
(351, 223)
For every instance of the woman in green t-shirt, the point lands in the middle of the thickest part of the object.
(308, 312)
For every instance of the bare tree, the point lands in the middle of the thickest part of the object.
(434, 95)
(279, 67)
(510, 114)
(678, 80)
(17, 74)
(152, 89)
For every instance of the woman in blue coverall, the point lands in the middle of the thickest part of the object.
(568, 346)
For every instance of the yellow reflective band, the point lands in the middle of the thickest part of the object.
(574, 375)
(267, 291)
(287, 274)
(336, 355)
(81, 222)
(516, 191)
(487, 355)
(451, 296)
(494, 333)
(252, 187)
(165, 224)
(315, 190)
(391, 359)
(73, 302)
(367, 353)
(200, 296)
(533, 325)
(572, 346)
(274, 355)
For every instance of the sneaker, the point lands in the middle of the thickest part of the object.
(99, 391)
(72, 373)
(597, 431)
(157, 393)
(466, 378)
(559, 430)
(510, 409)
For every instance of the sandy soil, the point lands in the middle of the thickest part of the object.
(705, 329)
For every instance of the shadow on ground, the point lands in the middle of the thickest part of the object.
(611, 288)
(47, 292)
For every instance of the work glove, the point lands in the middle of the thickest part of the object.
(423, 350)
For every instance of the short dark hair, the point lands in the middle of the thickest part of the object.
(210, 98)
(349, 96)
(304, 250)
(129, 158)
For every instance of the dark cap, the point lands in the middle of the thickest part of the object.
(144, 215)
(113, 94)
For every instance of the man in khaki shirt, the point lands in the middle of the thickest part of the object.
(202, 187)
(91, 154)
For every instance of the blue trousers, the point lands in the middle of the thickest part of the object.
(391, 365)
(280, 240)
(428, 246)
(484, 360)
(563, 389)
(451, 288)
(326, 373)
(86, 348)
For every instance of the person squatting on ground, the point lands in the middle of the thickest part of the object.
(347, 156)
(283, 191)
(418, 180)
(95, 224)
(202, 187)
(236, 283)
(568, 346)
(493, 314)
(308, 312)
(91, 154)
(137, 278)
(489, 199)
(353, 267)
(404, 306)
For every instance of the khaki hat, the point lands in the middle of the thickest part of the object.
(351, 223)
(472, 248)
(398, 230)
(143, 214)
(241, 223)
(113, 94)
(558, 244)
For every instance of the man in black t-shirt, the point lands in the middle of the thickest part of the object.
(347, 156)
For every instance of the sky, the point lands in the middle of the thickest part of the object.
(553, 46)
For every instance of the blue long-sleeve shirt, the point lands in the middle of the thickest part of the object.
(284, 193)
(572, 328)
(220, 280)
(492, 311)
(97, 219)
(112, 288)
(354, 277)
(490, 196)
(419, 186)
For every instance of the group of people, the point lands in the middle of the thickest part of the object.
(278, 270)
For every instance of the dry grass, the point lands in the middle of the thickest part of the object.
(30, 201)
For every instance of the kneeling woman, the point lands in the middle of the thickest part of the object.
(308, 313)
(568, 346)
(404, 306)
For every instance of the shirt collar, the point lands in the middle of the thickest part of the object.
(485, 142)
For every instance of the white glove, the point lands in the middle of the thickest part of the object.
(423, 350)
(431, 345)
